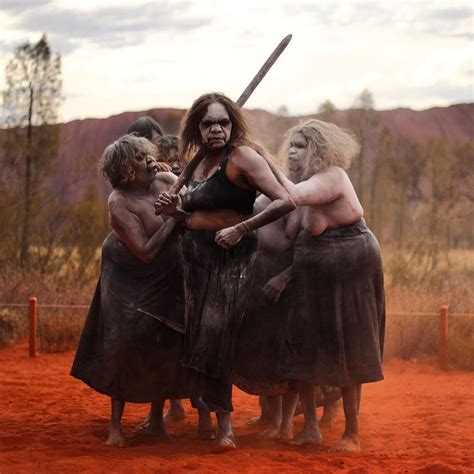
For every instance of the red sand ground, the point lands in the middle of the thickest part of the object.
(418, 420)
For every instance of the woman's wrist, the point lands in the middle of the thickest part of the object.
(243, 227)
(181, 215)
(287, 274)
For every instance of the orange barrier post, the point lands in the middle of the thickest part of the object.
(32, 316)
(443, 337)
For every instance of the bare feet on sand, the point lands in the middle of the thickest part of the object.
(282, 434)
(285, 434)
(225, 443)
(330, 414)
(258, 421)
(308, 436)
(205, 429)
(346, 444)
(270, 433)
(116, 439)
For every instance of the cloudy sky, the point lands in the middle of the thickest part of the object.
(135, 55)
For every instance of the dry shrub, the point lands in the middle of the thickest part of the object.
(17, 286)
(461, 341)
(59, 331)
(13, 325)
(406, 336)
(451, 284)
(409, 336)
(417, 336)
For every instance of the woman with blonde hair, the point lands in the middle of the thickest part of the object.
(335, 332)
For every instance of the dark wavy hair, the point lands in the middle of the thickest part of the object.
(165, 144)
(144, 127)
(189, 130)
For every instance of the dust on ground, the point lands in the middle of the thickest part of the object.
(418, 419)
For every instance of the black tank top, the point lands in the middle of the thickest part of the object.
(218, 192)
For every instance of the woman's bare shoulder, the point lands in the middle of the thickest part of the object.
(330, 174)
(166, 177)
(244, 157)
(117, 201)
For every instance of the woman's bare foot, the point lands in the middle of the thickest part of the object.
(270, 433)
(225, 443)
(307, 436)
(259, 421)
(225, 434)
(205, 429)
(115, 433)
(116, 439)
(330, 414)
(286, 433)
(346, 444)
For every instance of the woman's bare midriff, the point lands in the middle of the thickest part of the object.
(215, 219)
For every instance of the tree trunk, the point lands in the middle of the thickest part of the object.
(25, 230)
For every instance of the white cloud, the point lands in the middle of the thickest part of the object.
(166, 53)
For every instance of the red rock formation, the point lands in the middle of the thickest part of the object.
(86, 139)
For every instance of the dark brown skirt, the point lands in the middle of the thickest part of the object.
(122, 352)
(217, 284)
(335, 330)
(263, 329)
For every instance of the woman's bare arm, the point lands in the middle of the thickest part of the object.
(128, 227)
(280, 176)
(323, 187)
(259, 176)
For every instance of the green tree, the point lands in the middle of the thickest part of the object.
(31, 101)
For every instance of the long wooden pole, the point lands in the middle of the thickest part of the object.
(33, 319)
(191, 166)
(443, 337)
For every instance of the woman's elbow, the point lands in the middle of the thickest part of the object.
(289, 204)
(145, 257)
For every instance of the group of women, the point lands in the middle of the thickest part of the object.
(327, 297)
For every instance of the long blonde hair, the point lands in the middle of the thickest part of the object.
(328, 145)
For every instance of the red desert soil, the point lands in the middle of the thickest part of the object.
(418, 420)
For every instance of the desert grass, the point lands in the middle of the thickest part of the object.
(408, 336)
(13, 325)
(450, 283)
(59, 329)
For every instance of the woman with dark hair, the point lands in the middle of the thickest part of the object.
(219, 246)
(168, 146)
(149, 128)
(146, 127)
